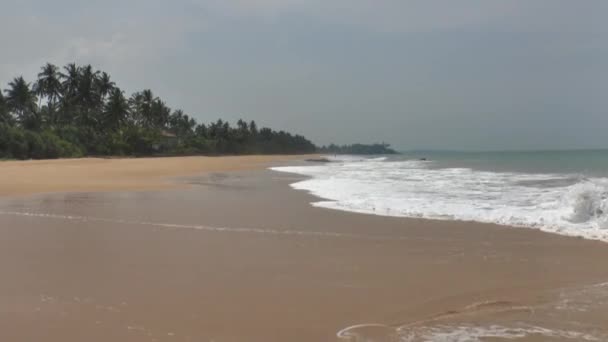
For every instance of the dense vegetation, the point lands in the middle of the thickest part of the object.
(77, 110)
(358, 149)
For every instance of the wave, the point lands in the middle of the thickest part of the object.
(566, 204)
(352, 158)
(459, 333)
(471, 333)
(575, 314)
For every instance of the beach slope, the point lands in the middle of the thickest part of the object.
(113, 174)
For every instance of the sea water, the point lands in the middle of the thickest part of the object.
(563, 192)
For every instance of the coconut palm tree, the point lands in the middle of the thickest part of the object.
(69, 87)
(87, 113)
(21, 101)
(140, 105)
(87, 93)
(253, 128)
(87, 101)
(116, 109)
(5, 116)
(69, 80)
(146, 109)
(104, 85)
(174, 121)
(243, 128)
(159, 114)
(49, 86)
(136, 109)
(183, 125)
(201, 130)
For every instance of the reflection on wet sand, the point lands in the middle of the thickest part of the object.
(575, 314)
(241, 257)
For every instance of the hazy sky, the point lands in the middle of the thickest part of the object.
(486, 74)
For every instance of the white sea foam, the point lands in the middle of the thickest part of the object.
(459, 333)
(559, 203)
(470, 333)
(576, 315)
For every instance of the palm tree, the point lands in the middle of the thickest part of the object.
(21, 101)
(49, 86)
(181, 124)
(191, 124)
(201, 130)
(147, 98)
(187, 125)
(87, 93)
(84, 108)
(104, 85)
(5, 116)
(175, 120)
(69, 88)
(159, 114)
(242, 131)
(116, 109)
(137, 109)
(242, 126)
(147, 111)
(87, 100)
(253, 128)
(69, 80)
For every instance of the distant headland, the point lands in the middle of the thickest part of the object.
(361, 149)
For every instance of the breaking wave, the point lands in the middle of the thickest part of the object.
(567, 204)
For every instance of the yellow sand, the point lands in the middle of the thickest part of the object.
(146, 271)
(97, 174)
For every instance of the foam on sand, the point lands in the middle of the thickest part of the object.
(565, 204)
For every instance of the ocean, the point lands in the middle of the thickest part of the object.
(562, 192)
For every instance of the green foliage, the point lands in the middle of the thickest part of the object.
(21, 101)
(5, 116)
(77, 110)
(19, 143)
(358, 149)
(142, 140)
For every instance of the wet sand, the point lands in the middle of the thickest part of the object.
(239, 256)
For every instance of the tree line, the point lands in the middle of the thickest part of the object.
(79, 111)
(382, 148)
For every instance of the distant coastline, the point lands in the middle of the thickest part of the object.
(359, 149)
(78, 111)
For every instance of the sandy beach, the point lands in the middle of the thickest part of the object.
(116, 174)
(221, 249)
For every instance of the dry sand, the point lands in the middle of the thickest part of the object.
(97, 174)
(239, 256)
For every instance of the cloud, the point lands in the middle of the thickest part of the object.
(116, 32)
(313, 65)
(143, 36)
(424, 15)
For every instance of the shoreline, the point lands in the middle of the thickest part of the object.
(241, 256)
(153, 176)
(316, 198)
(573, 206)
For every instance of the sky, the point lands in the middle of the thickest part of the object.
(423, 74)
